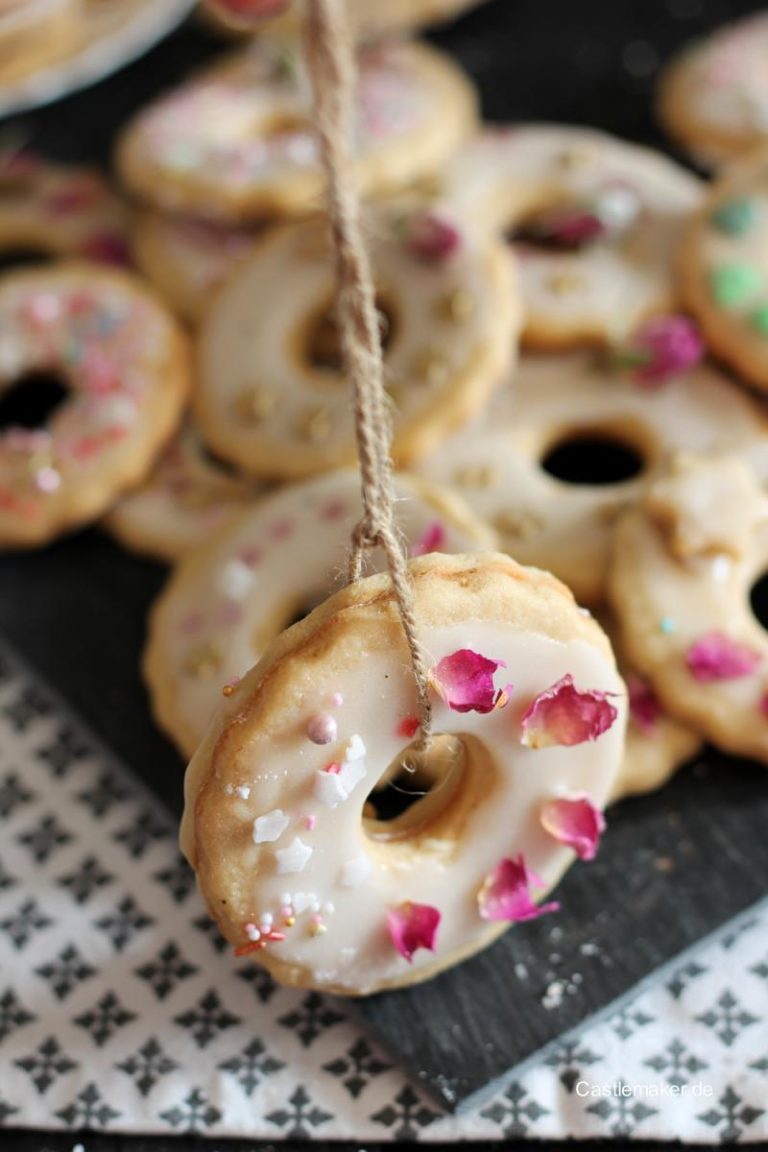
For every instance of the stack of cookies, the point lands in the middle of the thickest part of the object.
(575, 333)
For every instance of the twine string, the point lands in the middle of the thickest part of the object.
(331, 64)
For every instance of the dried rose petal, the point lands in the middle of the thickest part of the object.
(564, 716)
(505, 894)
(663, 347)
(107, 248)
(431, 540)
(412, 926)
(465, 681)
(568, 226)
(575, 822)
(716, 656)
(644, 708)
(431, 236)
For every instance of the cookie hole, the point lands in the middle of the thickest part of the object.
(417, 788)
(758, 600)
(13, 258)
(322, 343)
(593, 458)
(31, 401)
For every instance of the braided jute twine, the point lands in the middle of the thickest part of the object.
(330, 60)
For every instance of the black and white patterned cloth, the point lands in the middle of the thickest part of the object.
(121, 1010)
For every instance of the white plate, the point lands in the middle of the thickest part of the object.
(114, 33)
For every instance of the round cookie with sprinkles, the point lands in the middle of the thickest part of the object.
(187, 496)
(272, 398)
(684, 564)
(235, 143)
(713, 96)
(530, 713)
(570, 440)
(59, 211)
(273, 563)
(187, 260)
(120, 367)
(594, 221)
(723, 268)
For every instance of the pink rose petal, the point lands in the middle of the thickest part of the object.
(465, 681)
(665, 346)
(575, 822)
(412, 926)
(564, 716)
(505, 894)
(432, 236)
(431, 540)
(644, 708)
(716, 656)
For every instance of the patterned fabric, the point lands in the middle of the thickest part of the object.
(120, 1008)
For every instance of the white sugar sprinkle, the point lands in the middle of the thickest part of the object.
(270, 826)
(294, 858)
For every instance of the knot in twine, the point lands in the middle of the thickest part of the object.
(330, 60)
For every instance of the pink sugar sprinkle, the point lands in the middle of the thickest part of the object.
(280, 529)
(310, 821)
(337, 700)
(333, 510)
(192, 624)
(407, 727)
(250, 556)
(333, 768)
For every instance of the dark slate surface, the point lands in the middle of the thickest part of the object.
(674, 865)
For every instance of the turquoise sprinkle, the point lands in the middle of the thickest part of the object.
(667, 625)
(736, 217)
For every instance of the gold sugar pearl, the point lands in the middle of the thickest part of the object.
(202, 661)
(476, 476)
(519, 524)
(455, 307)
(255, 405)
(572, 158)
(430, 367)
(316, 427)
(563, 283)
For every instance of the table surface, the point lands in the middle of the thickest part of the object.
(591, 63)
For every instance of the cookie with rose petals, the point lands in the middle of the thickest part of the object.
(568, 441)
(236, 143)
(684, 563)
(713, 96)
(657, 744)
(723, 268)
(225, 603)
(123, 368)
(59, 211)
(594, 221)
(530, 712)
(272, 398)
(185, 259)
(187, 496)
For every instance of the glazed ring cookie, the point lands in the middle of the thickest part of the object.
(226, 603)
(536, 464)
(236, 141)
(723, 268)
(59, 211)
(33, 33)
(271, 397)
(684, 563)
(593, 219)
(187, 260)
(530, 712)
(713, 97)
(657, 744)
(187, 495)
(123, 365)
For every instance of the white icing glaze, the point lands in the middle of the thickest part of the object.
(496, 462)
(187, 495)
(363, 875)
(296, 544)
(263, 404)
(604, 289)
(236, 142)
(665, 605)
